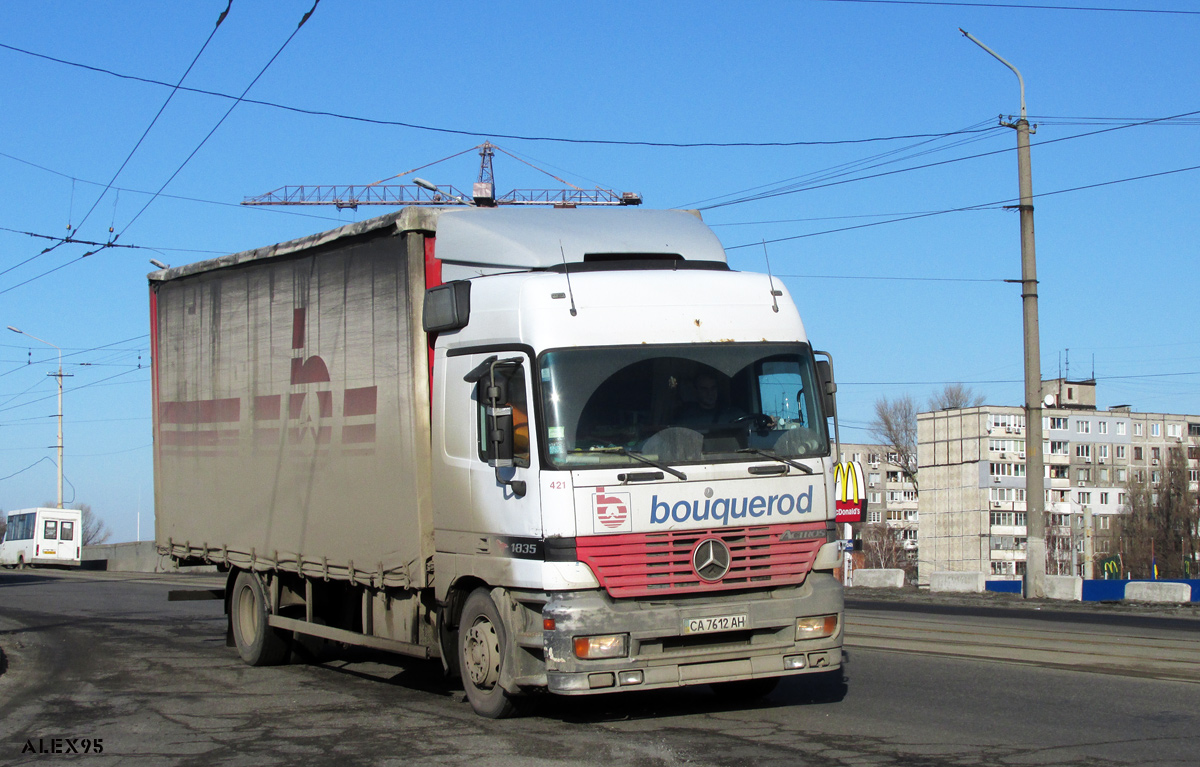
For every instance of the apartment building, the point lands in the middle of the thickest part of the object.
(891, 497)
(973, 484)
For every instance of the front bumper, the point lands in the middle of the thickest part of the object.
(667, 657)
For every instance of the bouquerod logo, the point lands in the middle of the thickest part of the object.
(611, 512)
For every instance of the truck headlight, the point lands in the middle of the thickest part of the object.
(817, 627)
(606, 646)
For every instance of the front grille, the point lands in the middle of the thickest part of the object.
(654, 564)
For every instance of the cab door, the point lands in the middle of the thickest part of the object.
(507, 509)
(69, 544)
(473, 500)
(46, 544)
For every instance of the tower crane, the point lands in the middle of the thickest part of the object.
(420, 192)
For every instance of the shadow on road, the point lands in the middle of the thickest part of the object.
(22, 578)
(364, 663)
(427, 676)
(816, 689)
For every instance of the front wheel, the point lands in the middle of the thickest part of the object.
(257, 642)
(482, 648)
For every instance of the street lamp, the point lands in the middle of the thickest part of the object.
(1035, 501)
(59, 376)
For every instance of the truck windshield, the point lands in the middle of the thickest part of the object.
(691, 403)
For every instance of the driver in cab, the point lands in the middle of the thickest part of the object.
(708, 409)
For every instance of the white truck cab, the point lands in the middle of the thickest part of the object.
(42, 536)
(664, 489)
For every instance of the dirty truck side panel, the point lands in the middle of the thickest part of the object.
(291, 414)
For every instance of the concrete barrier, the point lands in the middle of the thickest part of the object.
(877, 579)
(132, 557)
(972, 583)
(1065, 587)
(1157, 591)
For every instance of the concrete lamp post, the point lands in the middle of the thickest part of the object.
(1035, 484)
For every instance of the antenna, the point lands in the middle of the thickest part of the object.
(1068, 364)
(567, 273)
(771, 279)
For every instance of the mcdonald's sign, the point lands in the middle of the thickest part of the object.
(1111, 567)
(849, 491)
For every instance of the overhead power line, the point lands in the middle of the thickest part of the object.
(68, 391)
(965, 208)
(203, 141)
(75, 352)
(168, 196)
(890, 279)
(830, 218)
(228, 112)
(73, 240)
(1020, 6)
(811, 187)
(27, 468)
(1007, 380)
(485, 134)
(842, 170)
(171, 95)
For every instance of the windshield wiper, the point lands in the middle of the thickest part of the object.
(635, 455)
(775, 457)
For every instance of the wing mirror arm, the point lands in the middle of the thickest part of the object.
(829, 396)
(494, 392)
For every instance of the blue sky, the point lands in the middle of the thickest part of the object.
(1117, 263)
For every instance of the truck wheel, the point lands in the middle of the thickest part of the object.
(746, 689)
(257, 642)
(482, 647)
(21, 562)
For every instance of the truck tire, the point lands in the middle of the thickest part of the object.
(21, 562)
(257, 642)
(482, 648)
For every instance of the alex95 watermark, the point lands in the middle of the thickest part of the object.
(63, 746)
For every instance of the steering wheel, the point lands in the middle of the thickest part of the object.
(759, 422)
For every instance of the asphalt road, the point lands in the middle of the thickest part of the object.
(105, 656)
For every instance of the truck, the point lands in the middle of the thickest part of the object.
(562, 450)
(42, 536)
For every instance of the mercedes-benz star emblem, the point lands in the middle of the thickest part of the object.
(710, 559)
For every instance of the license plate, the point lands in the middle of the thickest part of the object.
(715, 623)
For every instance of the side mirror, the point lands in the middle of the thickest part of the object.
(447, 307)
(828, 387)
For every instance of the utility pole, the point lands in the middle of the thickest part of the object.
(59, 376)
(1035, 485)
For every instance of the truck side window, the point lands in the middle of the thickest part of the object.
(520, 411)
(51, 530)
(66, 531)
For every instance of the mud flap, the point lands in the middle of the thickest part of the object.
(521, 669)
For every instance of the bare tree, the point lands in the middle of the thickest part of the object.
(955, 395)
(883, 547)
(1159, 530)
(94, 529)
(895, 427)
